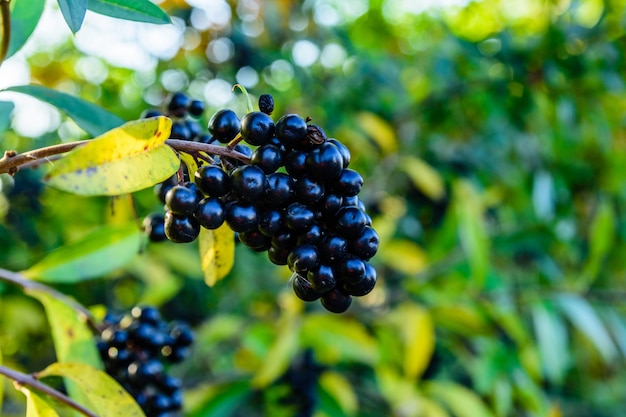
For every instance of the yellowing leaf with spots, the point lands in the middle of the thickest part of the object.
(123, 160)
(107, 397)
(217, 253)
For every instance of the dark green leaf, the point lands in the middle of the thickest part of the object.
(24, 18)
(222, 400)
(92, 118)
(6, 107)
(73, 12)
(135, 10)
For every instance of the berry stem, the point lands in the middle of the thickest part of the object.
(235, 141)
(246, 95)
(21, 379)
(27, 284)
(6, 28)
(12, 161)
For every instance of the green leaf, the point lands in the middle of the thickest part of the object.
(121, 161)
(73, 12)
(472, 230)
(135, 10)
(460, 400)
(90, 117)
(95, 255)
(424, 177)
(340, 392)
(220, 400)
(106, 396)
(217, 253)
(584, 318)
(279, 355)
(552, 341)
(25, 15)
(36, 406)
(6, 107)
(601, 237)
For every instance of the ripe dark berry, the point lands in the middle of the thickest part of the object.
(350, 221)
(279, 191)
(271, 222)
(205, 138)
(299, 217)
(330, 204)
(366, 244)
(162, 188)
(257, 128)
(142, 373)
(241, 216)
(266, 104)
(212, 180)
(194, 128)
(255, 240)
(182, 200)
(196, 108)
(308, 190)
(146, 314)
(365, 285)
(224, 125)
(303, 289)
(178, 104)
(285, 240)
(324, 162)
(291, 130)
(349, 183)
(277, 256)
(154, 226)
(181, 334)
(322, 278)
(343, 150)
(180, 131)
(336, 301)
(181, 229)
(170, 384)
(248, 182)
(267, 157)
(351, 270)
(147, 114)
(303, 258)
(333, 249)
(210, 213)
(313, 235)
(295, 163)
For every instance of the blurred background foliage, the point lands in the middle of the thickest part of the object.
(491, 138)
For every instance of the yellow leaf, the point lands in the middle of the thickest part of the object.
(37, 406)
(404, 255)
(418, 335)
(380, 131)
(123, 160)
(423, 176)
(337, 386)
(107, 397)
(460, 400)
(190, 162)
(217, 253)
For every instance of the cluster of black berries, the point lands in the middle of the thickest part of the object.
(184, 113)
(134, 348)
(297, 200)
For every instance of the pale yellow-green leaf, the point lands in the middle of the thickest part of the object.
(380, 131)
(36, 406)
(458, 399)
(401, 393)
(472, 230)
(1, 383)
(107, 397)
(190, 162)
(161, 283)
(123, 160)
(279, 355)
(404, 255)
(337, 386)
(97, 254)
(217, 253)
(424, 177)
(417, 330)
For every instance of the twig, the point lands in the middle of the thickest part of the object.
(6, 29)
(12, 161)
(22, 379)
(27, 284)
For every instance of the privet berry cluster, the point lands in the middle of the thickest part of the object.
(134, 348)
(297, 200)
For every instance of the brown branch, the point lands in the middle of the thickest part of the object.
(21, 379)
(27, 284)
(6, 29)
(12, 161)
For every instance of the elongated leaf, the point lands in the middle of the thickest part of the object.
(123, 160)
(135, 10)
(279, 355)
(222, 400)
(73, 12)
(585, 319)
(380, 131)
(217, 253)
(460, 400)
(95, 255)
(90, 117)
(424, 177)
(552, 341)
(340, 389)
(1, 383)
(36, 406)
(25, 15)
(418, 334)
(107, 397)
(472, 231)
(601, 237)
